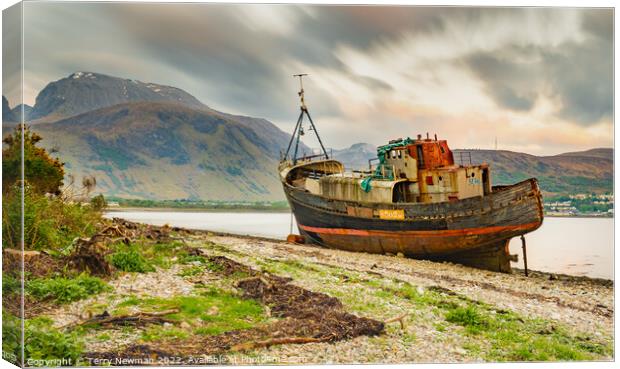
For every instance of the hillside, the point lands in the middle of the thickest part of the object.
(577, 172)
(165, 150)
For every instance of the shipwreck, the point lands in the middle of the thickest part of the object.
(413, 200)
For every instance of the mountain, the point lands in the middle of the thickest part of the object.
(7, 113)
(17, 112)
(84, 91)
(145, 140)
(356, 156)
(166, 150)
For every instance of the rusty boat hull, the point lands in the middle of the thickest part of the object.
(474, 231)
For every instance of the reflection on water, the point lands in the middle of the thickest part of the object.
(576, 246)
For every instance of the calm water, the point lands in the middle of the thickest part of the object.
(577, 246)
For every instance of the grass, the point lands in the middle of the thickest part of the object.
(65, 289)
(487, 332)
(142, 256)
(212, 312)
(468, 317)
(191, 271)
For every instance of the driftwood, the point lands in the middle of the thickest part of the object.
(400, 319)
(138, 319)
(276, 341)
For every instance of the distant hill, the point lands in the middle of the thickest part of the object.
(17, 112)
(574, 172)
(356, 156)
(605, 153)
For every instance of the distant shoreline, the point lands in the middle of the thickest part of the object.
(196, 210)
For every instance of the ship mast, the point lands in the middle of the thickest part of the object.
(299, 129)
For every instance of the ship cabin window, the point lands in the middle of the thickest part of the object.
(400, 154)
(393, 154)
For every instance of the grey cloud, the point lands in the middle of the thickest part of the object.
(508, 83)
(11, 54)
(582, 78)
(578, 74)
(599, 22)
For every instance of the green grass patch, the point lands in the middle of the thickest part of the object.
(213, 312)
(191, 271)
(65, 290)
(468, 317)
(131, 261)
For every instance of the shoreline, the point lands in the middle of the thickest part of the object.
(243, 210)
(194, 210)
(533, 273)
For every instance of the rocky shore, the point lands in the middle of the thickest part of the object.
(419, 311)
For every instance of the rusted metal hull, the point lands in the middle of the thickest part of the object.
(472, 231)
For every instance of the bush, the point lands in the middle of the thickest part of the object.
(11, 338)
(130, 260)
(44, 345)
(98, 202)
(42, 172)
(64, 290)
(49, 223)
(10, 284)
(48, 345)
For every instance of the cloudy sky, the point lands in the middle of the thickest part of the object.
(538, 79)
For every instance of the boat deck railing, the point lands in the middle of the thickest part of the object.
(305, 157)
(463, 158)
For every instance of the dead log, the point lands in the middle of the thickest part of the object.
(276, 341)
